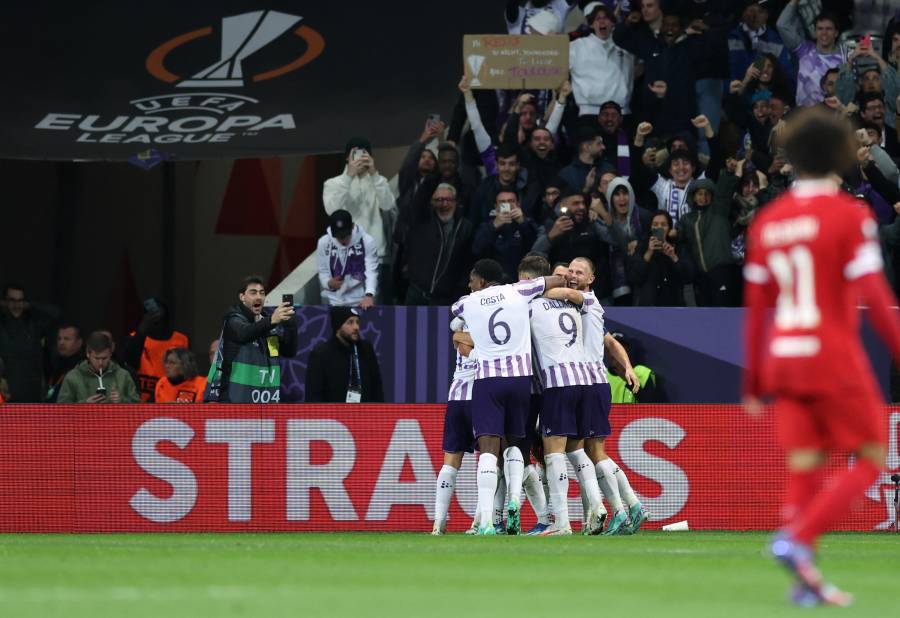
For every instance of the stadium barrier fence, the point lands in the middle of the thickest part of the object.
(234, 468)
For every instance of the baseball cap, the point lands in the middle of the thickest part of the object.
(341, 223)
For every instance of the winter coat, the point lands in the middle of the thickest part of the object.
(635, 227)
(707, 230)
(22, 343)
(246, 368)
(365, 198)
(83, 382)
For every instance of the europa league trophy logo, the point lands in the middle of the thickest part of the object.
(475, 61)
(242, 36)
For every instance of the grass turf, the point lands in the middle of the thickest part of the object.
(260, 575)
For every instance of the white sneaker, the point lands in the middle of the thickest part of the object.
(440, 527)
(557, 530)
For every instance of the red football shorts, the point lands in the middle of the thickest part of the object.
(841, 423)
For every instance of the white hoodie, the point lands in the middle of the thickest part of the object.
(364, 197)
(357, 263)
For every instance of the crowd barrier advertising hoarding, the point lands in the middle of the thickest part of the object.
(228, 468)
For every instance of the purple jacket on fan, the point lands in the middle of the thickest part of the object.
(355, 262)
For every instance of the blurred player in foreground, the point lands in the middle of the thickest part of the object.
(813, 254)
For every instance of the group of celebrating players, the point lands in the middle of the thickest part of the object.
(530, 359)
(530, 379)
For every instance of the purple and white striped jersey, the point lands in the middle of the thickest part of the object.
(594, 331)
(558, 341)
(497, 318)
(463, 376)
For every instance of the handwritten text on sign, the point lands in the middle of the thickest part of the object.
(494, 61)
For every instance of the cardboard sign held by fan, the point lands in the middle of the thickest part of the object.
(512, 62)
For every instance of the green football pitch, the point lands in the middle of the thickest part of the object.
(361, 575)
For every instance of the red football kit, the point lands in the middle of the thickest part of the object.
(814, 255)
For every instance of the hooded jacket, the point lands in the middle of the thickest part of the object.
(707, 229)
(356, 262)
(635, 227)
(83, 381)
(365, 198)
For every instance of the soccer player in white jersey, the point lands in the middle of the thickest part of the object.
(458, 435)
(611, 478)
(497, 317)
(556, 337)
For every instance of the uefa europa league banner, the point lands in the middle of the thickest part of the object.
(230, 468)
(230, 79)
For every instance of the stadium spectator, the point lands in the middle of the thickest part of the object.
(581, 173)
(706, 232)
(507, 237)
(538, 157)
(524, 17)
(437, 251)
(765, 74)
(450, 171)
(882, 79)
(660, 267)
(345, 368)
(601, 70)
(618, 152)
(671, 192)
(570, 233)
(366, 195)
(145, 347)
(630, 224)
(752, 37)
(25, 328)
(419, 164)
(347, 261)
(511, 176)
(246, 367)
(69, 352)
(213, 348)
(872, 110)
(669, 99)
(621, 392)
(813, 59)
(98, 378)
(181, 384)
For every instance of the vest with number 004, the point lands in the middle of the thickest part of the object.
(255, 373)
(619, 388)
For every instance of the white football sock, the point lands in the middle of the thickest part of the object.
(446, 483)
(587, 478)
(499, 499)
(624, 486)
(558, 480)
(487, 486)
(542, 471)
(605, 469)
(514, 471)
(535, 492)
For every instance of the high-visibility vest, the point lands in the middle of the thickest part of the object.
(188, 391)
(619, 388)
(153, 356)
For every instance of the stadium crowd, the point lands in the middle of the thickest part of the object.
(668, 127)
